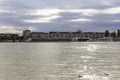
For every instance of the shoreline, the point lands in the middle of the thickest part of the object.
(67, 42)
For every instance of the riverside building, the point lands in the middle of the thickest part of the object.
(63, 36)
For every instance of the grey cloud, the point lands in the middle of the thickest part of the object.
(101, 21)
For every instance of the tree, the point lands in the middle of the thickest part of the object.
(107, 33)
(80, 31)
(3, 38)
(0, 38)
(113, 34)
(118, 33)
(14, 37)
(86, 36)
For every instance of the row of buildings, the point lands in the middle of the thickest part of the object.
(62, 36)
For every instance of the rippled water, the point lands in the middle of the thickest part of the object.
(60, 61)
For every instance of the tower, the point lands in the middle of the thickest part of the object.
(26, 33)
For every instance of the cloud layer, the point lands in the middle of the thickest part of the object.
(59, 15)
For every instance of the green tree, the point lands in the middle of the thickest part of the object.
(3, 38)
(0, 38)
(107, 33)
(14, 37)
(113, 34)
(118, 33)
(8, 37)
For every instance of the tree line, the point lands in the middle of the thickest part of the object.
(13, 38)
(114, 34)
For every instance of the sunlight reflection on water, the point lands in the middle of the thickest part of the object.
(60, 61)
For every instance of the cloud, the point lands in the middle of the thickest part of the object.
(6, 11)
(81, 20)
(86, 12)
(56, 11)
(9, 29)
(114, 10)
(91, 12)
(14, 29)
(106, 2)
(66, 15)
(116, 20)
(43, 19)
(30, 28)
(45, 12)
(48, 15)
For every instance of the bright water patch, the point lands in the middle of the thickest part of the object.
(91, 48)
(94, 77)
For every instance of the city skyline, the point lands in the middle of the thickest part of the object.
(55, 15)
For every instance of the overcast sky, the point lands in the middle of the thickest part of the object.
(59, 15)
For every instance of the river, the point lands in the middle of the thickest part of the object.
(60, 61)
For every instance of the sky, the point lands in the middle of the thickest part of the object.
(59, 15)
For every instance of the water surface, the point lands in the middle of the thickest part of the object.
(60, 61)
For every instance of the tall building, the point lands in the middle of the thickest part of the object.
(26, 33)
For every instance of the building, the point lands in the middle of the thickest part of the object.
(93, 35)
(26, 33)
(39, 35)
(78, 35)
